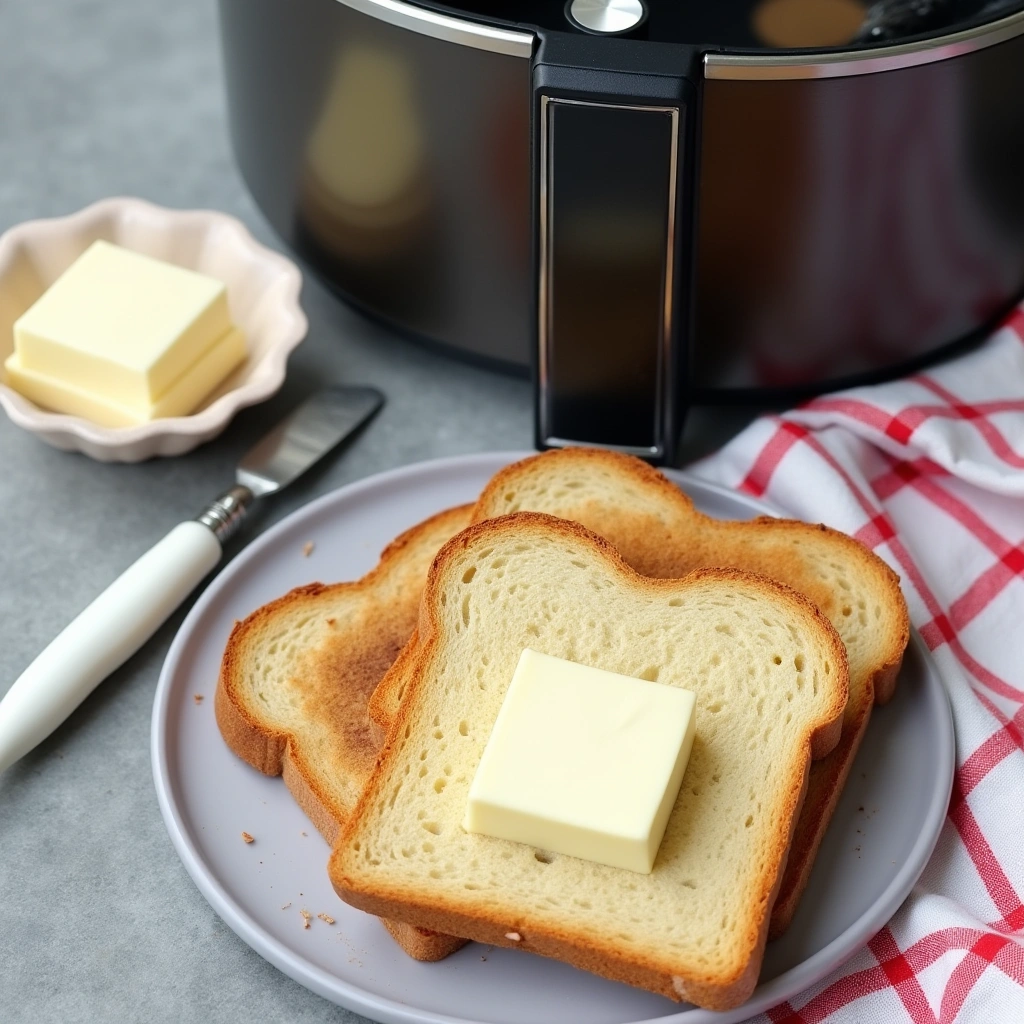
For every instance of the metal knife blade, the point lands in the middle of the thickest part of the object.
(303, 437)
(324, 420)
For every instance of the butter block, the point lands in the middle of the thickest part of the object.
(121, 327)
(583, 762)
(181, 398)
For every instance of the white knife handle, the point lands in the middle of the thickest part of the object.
(103, 637)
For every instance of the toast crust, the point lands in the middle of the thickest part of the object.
(666, 537)
(594, 952)
(270, 751)
(337, 680)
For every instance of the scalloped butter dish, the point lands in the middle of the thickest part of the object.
(121, 338)
(128, 331)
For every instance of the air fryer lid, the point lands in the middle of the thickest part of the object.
(762, 25)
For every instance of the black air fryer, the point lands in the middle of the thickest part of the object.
(652, 203)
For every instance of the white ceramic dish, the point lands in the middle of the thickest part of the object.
(883, 832)
(263, 294)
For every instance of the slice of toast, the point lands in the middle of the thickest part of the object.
(658, 532)
(296, 675)
(770, 675)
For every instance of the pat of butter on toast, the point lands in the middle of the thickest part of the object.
(583, 762)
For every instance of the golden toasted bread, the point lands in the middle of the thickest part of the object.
(770, 676)
(296, 676)
(658, 532)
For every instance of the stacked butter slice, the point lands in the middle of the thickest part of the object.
(121, 339)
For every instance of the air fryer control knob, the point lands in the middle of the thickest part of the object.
(606, 17)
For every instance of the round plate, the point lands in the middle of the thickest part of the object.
(883, 832)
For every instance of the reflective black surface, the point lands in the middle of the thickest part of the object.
(397, 165)
(844, 226)
(891, 21)
(609, 186)
(854, 223)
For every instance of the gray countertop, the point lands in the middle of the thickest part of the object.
(98, 919)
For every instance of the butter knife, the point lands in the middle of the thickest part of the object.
(137, 603)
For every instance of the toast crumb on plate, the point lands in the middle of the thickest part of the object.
(198, 698)
(306, 917)
(246, 838)
(307, 548)
(326, 918)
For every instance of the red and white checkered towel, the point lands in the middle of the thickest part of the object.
(929, 473)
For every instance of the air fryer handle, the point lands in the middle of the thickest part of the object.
(611, 245)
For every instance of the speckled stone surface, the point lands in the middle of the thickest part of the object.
(98, 920)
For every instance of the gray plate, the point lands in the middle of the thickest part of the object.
(883, 832)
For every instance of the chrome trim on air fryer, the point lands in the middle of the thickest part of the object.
(544, 271)
(656, 452)
(862, 62)
(445, 27)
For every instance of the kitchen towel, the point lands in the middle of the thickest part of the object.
(928, 472)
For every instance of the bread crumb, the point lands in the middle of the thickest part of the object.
(198, 698)
(306, 917)
(303, 833)
(484, 959)
(287, 905)
(247, 838)
(326, 918)
(514, 936)
(307, 550)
